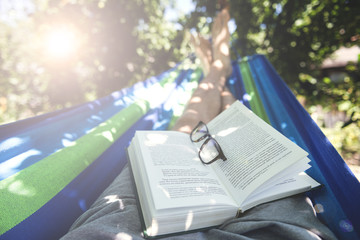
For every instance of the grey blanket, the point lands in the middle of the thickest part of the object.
(114, 215)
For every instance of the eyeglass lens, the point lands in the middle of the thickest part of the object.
(209, 150)
(199, 133)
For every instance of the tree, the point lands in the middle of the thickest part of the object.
(297, 36)
(117, 42)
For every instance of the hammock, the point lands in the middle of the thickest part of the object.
(53, 166)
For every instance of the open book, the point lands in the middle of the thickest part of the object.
(178, 193)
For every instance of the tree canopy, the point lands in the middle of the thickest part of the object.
(55, 54)
(66, 52)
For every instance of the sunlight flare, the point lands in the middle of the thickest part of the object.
(61, 42)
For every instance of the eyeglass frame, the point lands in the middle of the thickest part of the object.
(207, 138)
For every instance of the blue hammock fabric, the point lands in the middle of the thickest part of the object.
(52, 167)
(337, 201)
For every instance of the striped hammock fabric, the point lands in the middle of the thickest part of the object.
(52, 167)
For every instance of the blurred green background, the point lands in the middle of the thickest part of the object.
(55, 54)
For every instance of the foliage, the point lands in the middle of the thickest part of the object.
(117, 42)
(342, 95)
(120, 42)
(297, 36)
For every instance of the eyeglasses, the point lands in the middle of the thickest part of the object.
(210, 150)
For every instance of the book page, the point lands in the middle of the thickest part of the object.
(296, 184)
(293, 170)
(255, 150)
(176, 176)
